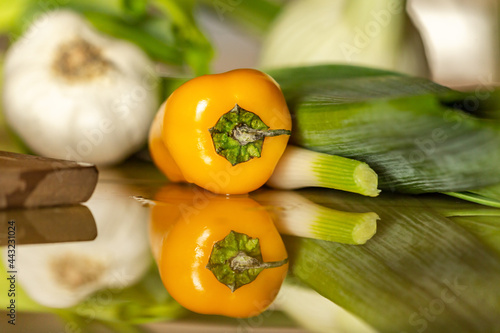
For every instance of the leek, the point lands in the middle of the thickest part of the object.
(316, 313)
(485, 227)
(300, 167)
(420, 272)
(488, 196)
(375, 33)
(492, 192)
(475, 197)
(295, 215)
(403, 127)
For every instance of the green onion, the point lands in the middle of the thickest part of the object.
(297, 216)
(299, 168)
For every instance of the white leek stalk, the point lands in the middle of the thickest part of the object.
(297, 216)
(73, 93)
(63, 274)
(374, 33)
(299, 167)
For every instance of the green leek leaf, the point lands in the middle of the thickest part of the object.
(486, 228)
(422, 271)
(492, 192)
(475, 197)
(403, 127)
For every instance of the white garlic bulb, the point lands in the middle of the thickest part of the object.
(73, 93)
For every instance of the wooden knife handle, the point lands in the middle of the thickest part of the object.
(33, 181)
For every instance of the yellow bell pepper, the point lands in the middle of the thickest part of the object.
(224, 132)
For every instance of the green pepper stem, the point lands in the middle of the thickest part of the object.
(242, 262)
(244, 134)
(238, 135)
(237, 260)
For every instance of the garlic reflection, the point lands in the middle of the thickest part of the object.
(63, 274)
(73, 270)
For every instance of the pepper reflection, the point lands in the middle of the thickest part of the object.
(216, 254)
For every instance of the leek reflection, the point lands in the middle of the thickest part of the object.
(421, 261)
